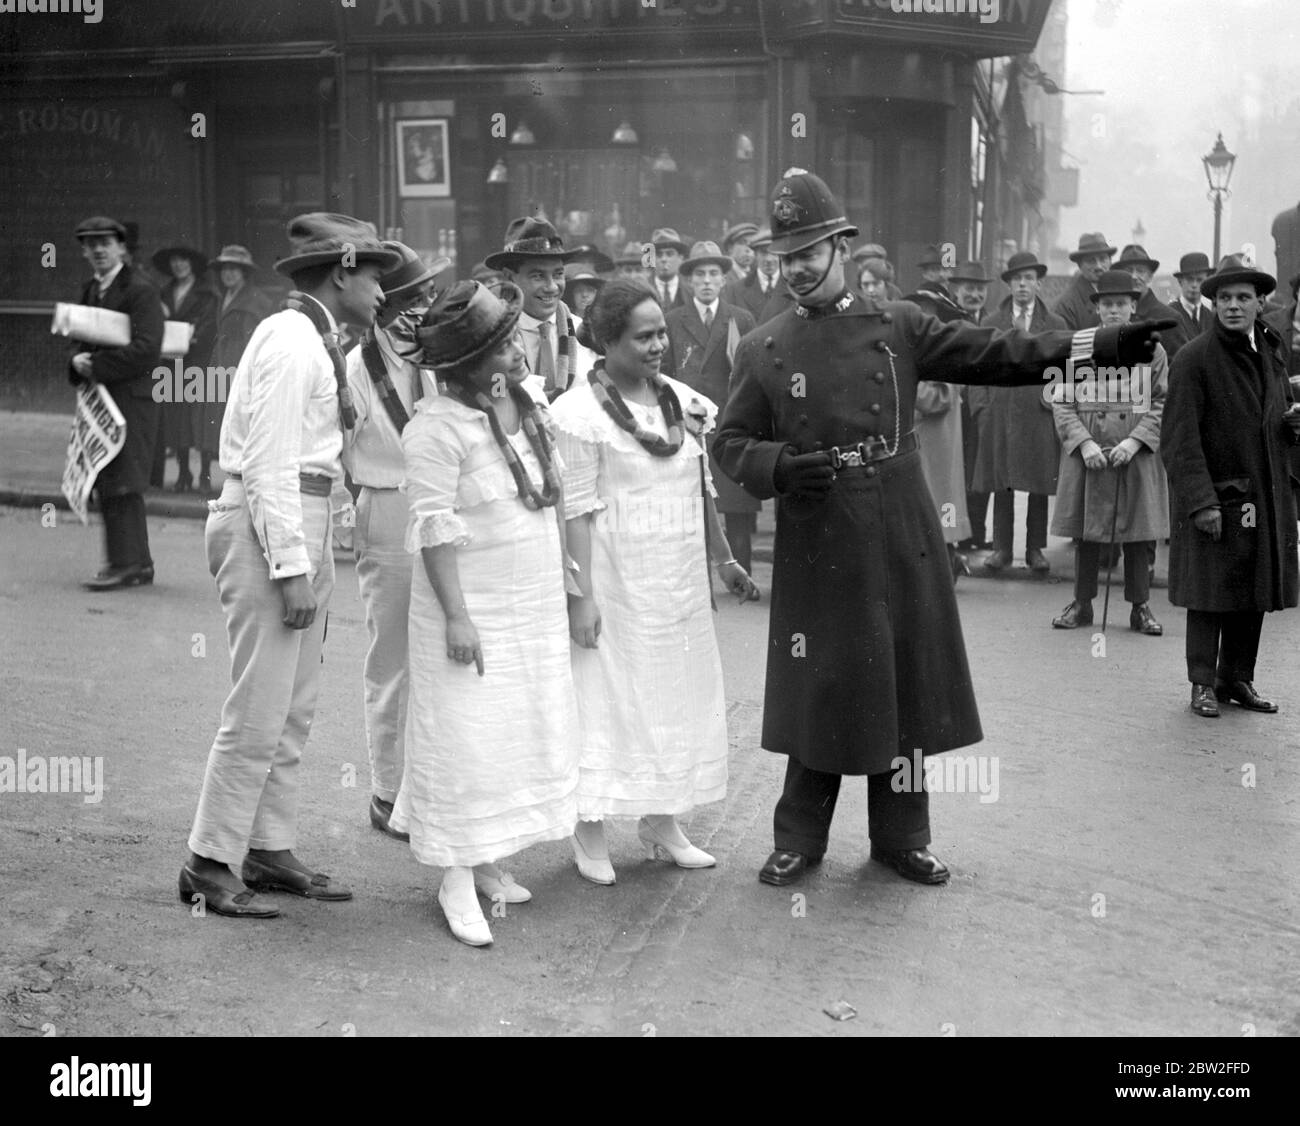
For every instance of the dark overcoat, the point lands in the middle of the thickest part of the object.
(234, 329)
(1224, 443)
(745, 293)
(1151, 308)
(1018, 448)
(128, 374)
(866, 659)
(1075, 307)
(1204, 318)
(779, 298)
(182, 422)
(698, 357)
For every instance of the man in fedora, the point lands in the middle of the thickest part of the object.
(534, 259)
(386, 385)
(1111, 484)
(1076, 307)
(1230, 425)
(933, 294)
(127, 373)
(1018, 450)
(1194, 315)
(703, 336)
(1141, 267)
(268, 546)
(670, 250)
(866, 663)
(630, 262)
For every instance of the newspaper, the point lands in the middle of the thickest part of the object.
(90, 324)
(98, 434)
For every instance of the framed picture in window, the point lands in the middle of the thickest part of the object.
(423, 164)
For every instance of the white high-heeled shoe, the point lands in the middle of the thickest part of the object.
(592, 856)
(459, 903)
(492, 882)
(681, 852)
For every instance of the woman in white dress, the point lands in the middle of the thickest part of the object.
(651, 712)
(491, 762)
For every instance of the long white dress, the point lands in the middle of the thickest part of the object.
(651, 709)
(491, 761)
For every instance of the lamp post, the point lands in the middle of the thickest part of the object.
(1218, 172)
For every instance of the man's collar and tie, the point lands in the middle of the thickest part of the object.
(1024, 317)
(107, 280)
(706, 312)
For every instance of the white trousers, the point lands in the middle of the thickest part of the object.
(384, 576)
(250, 789)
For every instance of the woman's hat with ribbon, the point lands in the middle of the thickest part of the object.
(468, 321)
(235, 255)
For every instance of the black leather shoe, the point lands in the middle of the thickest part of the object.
(1142, 620)
(221, 900)
(1035, 560)
(380, 812)
(1243, 693)
(1076, 614)
(998, 561)
(261, 876)
(115, 578)
(919, 865)
(1203, 702)
(786, 867)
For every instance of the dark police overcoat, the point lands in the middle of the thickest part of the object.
(866, 659)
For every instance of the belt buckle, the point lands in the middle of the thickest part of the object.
(853, 458)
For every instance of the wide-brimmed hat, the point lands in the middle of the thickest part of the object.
(324, 237)
(234, 255)
(870, 250)
(409, 274)
(804, 211)
(1231, 270)
(1134, 255)
(468, 321)
(529, 237)
(705, 254)
(1115, 283)
(579, 273)
(598, 260)
(100, 225)
(744, 230)
(1194, 263)
(667, 238)
(971, 272)
(162, 259)
(1092, 243)
(1023, 260)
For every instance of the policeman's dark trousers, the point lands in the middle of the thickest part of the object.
(126, 532)
(1222, 648)
(1137, 571)
(802, 822)
(1004, 521)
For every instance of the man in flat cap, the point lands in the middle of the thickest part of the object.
(866, 663)
(127, 373)
(1076, 307)
(268, 545)
(741, 283)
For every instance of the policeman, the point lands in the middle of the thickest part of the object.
(866, 662)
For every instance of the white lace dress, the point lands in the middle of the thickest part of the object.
(491, 761)
(652, 714)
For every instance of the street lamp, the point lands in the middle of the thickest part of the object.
(1218, 171)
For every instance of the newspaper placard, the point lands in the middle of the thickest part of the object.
(98, 434)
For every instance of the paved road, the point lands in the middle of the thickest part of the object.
(1106, 787)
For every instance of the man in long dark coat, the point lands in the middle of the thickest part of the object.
(1230, 422)
(866, 660)
(1093, 258)
(127, 372)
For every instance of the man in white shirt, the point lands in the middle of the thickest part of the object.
(534, 258)
(386, 386)
(268, 546)
(670, 253)
(1193, 313)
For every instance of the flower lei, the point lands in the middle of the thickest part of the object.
(607, 395)
(531, 420)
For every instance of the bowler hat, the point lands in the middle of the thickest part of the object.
(529, 237)
(932, 256)
(1090, 244)
(234, 255)
(1134, 255)
(705, 254)
(1195, 263)
(971, 272)
(468, 321)
(598, 260)
(804, 212)
(1023, 260)
(744, 230)
(162, 259)
(667, 238)
(322, 237)
(409, 274)
(1232, 270)
(1115, 283)
(630, 255)
(100, 225)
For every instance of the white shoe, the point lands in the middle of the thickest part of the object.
(459, 903)
(492, 882)
(592, 854)
(664, 839)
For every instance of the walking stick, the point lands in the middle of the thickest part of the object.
(1110, 548)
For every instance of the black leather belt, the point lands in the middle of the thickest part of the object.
(313, 484)
(870, 450)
